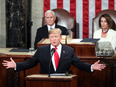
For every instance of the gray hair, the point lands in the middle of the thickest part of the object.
(50, 11)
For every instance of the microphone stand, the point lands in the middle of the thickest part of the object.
(52, 52)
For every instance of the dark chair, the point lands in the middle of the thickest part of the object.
(63, 18)
(95, 21)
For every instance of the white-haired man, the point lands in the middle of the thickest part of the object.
(42, 32)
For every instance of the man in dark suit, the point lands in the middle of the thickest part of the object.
(66, 57)
(42, 32)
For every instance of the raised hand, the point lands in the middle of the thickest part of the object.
(97, 66)
(9, 64)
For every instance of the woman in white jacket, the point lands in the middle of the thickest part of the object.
(105, 33)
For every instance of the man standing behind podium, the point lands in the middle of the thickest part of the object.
(42, 32)
(66, 55)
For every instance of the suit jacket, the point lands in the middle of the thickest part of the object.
(111, 36)
(42, 32)
(43, 57)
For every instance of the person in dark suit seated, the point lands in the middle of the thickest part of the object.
(42, 32)
(61, 60)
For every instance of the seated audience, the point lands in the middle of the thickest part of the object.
(62, 58)
(42, 32)
(105, 33)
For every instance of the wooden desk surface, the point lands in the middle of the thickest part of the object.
(5, 51)
(45, 77)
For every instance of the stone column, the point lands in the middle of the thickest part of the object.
(36, 18)
(2, 24)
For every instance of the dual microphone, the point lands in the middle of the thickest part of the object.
(52, 52)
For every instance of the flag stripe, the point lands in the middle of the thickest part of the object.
(53, 4)
(46, 5)
(111, 4)
(97, 6)
(79, 17)
(91, 15)
(85, 18)
(82, 10)
(104, 4)
(59, 3)
(115, 4)
(66, 5)
(73, 8)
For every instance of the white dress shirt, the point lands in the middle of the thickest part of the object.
(111, 36)
(50, 26)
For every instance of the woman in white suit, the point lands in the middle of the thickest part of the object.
(105, 33)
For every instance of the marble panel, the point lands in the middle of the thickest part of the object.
(37, 14)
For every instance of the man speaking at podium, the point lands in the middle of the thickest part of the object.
(61, 60)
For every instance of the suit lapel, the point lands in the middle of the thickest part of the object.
(108, 35)
(48, 51)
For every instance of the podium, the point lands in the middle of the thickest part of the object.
(41, 80)
(112, 63)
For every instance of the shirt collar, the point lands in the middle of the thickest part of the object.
(58, 47)
(49, 26)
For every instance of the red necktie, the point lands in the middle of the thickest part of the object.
(56, 57)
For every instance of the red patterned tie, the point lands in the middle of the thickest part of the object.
(56, 57)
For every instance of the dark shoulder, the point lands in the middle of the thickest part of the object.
(43, 47)
(67, 47)
(63, 29)
(59, 26)
(42, 28)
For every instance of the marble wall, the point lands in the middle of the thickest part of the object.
(2, 24)
(36, 18)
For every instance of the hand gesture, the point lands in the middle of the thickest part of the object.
(97, 66)
(9, 64)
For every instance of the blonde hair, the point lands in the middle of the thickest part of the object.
(55, 30)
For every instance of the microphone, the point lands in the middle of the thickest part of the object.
(72, 29)
(52, 52)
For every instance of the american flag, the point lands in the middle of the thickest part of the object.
(82, 10)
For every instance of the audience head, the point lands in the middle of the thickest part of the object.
(55, 36)
(50, 17)
(107, 19)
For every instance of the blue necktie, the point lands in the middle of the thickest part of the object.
(50, 27)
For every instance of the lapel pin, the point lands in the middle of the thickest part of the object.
(63, 51)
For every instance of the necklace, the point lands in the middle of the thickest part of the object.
(104, 32)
